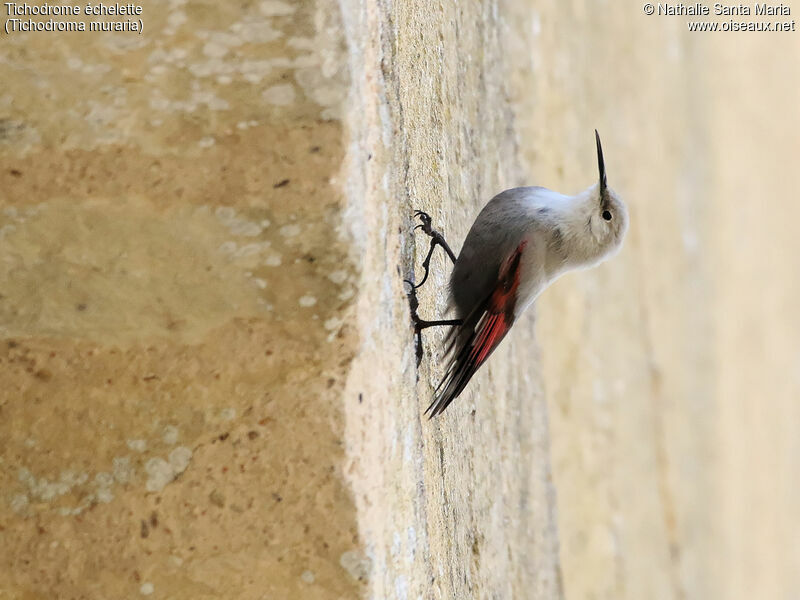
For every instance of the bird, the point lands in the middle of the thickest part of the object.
(522, 241)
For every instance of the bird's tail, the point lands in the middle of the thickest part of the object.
(480, 333)
(470, 345)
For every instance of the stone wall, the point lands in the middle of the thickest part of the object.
(172, 284)
(208, 384)
(461, 506)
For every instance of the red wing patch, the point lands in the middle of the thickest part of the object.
(480, 334)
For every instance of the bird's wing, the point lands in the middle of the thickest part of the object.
(480, 333)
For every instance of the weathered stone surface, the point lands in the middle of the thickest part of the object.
(461, 506)
(171, 291)
(209, 385)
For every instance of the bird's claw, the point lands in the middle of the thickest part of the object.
(426, 225)
(427, 221)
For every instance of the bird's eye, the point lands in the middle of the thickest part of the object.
(606, 215)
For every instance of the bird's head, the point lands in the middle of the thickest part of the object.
(607, 213)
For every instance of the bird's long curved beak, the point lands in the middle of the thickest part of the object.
(601, 165)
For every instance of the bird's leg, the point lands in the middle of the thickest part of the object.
(420, 324)
(437, 239)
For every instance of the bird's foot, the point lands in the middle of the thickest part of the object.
(420, 323)
(437, 239)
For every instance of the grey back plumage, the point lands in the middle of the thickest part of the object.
(495, 234)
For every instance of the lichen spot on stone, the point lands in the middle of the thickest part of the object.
(122, 469)
(244, 228)
(333, 323)
(338, 277)
(170, 435)
(282, 94)
(401, 588)
(290, 230)
(273, 260)
(275, 8)
(179, 459)
(146, 588)
(19, 502)
(356, 564)
(225, 213)
(159, 474)
(308, 577)
(137, 445)
(307, 301)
